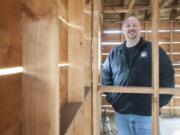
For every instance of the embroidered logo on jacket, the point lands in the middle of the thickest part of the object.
(143, 54)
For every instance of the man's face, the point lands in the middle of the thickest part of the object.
(131, 28)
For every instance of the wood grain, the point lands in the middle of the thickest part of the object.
(41, 75)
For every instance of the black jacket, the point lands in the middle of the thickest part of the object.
(117, 72)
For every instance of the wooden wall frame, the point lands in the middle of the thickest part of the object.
(154, 90)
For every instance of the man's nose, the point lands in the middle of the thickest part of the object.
(131, 27)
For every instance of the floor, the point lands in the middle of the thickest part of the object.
(168, 126)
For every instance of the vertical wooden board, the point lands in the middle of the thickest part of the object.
(63, 49)
(10, 33)
(41, 75)
(87, 62)
(88, 116)
(75, 72)
(155, 67)
(95, 66)
(11, 105)
(87, 44)
(75, 49)
(63, 86)
(63, 7)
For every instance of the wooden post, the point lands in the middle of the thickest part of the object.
(41, 73)
(155, 66)
(171, 57)
(75, 49)
(95, 66)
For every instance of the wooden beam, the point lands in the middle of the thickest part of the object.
(115, 10)
(138, 90)
(147, 90)
(164, 3)
(155, 66)
(131, 4)
(121, 9)
(96, 66)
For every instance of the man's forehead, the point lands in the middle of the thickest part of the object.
(131, 20)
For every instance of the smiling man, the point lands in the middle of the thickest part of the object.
(130, 64)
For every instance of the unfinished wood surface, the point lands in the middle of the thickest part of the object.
(96, 66)
(148, 90)
(155, 66)
(176, 37)
(88, 113)
(68, 114)
(40, 62)
(11, 104)
(75, 49)
(111, 37)
(87, 49)
(10, 33)
(63, 49)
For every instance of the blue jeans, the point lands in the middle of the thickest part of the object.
(130, 124)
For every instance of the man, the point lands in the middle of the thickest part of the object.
(129, 64)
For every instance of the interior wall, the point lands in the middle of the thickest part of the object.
(10, 56)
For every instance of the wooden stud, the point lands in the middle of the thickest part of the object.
(95, 66)
(155, 66)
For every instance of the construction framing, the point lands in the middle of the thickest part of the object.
(154, 90)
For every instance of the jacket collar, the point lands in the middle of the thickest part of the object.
(140, 44)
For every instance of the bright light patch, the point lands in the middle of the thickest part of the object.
(63, 65)
(112, 32)
(176, 64)
(9, 71)
(111, 43)
(143, 31)
(176, 30)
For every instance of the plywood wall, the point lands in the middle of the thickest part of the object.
(10, 56)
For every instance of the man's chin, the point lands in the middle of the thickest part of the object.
(132, 37)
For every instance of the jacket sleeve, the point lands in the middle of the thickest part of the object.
(107, 71)
(166, 76)
(107, 76)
